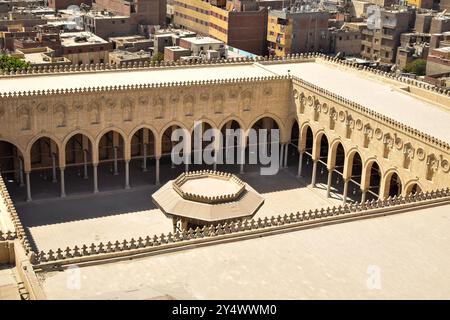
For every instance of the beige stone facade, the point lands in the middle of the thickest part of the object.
(105, 121)
(387, 135)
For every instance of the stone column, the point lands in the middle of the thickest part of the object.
(330, 177)
(286, 148)
(54, 168)
(28, 183)
(344, 194)
(127, 174)
(363, 196)
(314, 171)
(116, 171)
(157, 172)
(85, 176)
(94, 169)
(144, 160)
(281, 156)
(21, 183)
(300, 164)
(62, 182)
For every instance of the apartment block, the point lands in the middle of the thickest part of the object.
(238, 23)
(295, 30)
(144, 12)
(380, 43)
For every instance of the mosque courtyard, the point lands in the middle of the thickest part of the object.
(119, 214)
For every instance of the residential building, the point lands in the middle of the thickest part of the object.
(64, 4)
(120, 57)
(132, 43)
(412, 46)
(174, 53)
(380, 42)
(240, 24)
(202, 45)
(85, 48)
(297, 30)
(105, 25)
(346, 41)
(425, 4)
(43, 56)
(438, 61)
(143, 12)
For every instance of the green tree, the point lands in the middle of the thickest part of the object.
(12, 63)
(417, 66)
(158, 57)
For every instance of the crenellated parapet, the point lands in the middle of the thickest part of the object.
(212, 234)
(11, 214)
(292, 58)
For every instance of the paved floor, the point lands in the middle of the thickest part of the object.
(123, 214)
(405, 256)
(8, 284)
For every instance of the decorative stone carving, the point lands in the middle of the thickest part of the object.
(408, 152)
(188, 105)
(127, 109)
(77, 106)
(359, 124)
(143, 100)
(378, 133)
(310, 101)
(110, 103)
(174, 98)
(398, 143)
(388, 142)
(204, 96)
(267, 91)
(60, 115)
(94, 113)
(218, 101)
(420, 154)
(233, 93)
(42, 108)
(325, 108)
(24, 116)
(445, 165)
(246, 100)
(302, 99)
(159, 106)
(432, 166)
(295, 93)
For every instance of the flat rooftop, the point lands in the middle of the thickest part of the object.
(70, 39)
(202, 40)
(403, 256)
(376, 95)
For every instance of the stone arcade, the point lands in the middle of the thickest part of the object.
(379, 140)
